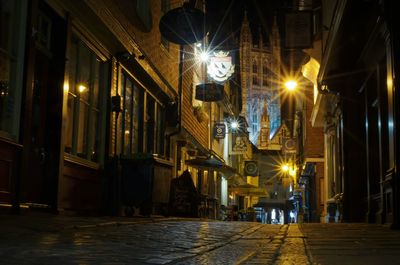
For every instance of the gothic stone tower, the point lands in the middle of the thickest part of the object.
(260, 76)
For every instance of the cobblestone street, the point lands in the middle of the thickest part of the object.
(54, 239)
(165, 241)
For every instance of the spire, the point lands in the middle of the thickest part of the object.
(245, 33)
(260, 38)
(275, 28)
(245, 20)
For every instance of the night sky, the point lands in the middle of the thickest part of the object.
(225, 16)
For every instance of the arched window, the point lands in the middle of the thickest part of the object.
(254, 67)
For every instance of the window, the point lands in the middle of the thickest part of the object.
(132, 102)
(12, 29)
(87, 82)
(143, 120)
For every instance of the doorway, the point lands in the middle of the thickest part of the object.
(40, 178)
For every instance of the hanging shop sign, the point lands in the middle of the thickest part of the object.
(209, 92)
(183, 25)
(219, 130)
(220, 67)
(289, 146)
(238, 144)
(250, 168)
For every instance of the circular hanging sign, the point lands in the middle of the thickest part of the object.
(183, 25)
(289, 146)
(251, 168)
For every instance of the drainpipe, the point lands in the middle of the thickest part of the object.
(179, 127)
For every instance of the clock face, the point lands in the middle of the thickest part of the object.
(251, 168)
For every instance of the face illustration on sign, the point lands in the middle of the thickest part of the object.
(240, 144)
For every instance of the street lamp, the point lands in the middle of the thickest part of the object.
(234, 125)
(204, 56)
(285, 167)
(291, 85)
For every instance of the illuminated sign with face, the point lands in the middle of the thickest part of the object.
(220, 67)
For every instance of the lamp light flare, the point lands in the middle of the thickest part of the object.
(285, 167)
(291, 85)
(234, 125)
(82, 88)
(204, 56)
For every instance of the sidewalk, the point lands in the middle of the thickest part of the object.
(351, 243)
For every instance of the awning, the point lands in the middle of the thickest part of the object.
(212, 163)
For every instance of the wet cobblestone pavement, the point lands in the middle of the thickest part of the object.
(64, 240)
(152, 242)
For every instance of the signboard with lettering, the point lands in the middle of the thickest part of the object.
(219, 130)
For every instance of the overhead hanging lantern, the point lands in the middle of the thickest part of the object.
(183, 25)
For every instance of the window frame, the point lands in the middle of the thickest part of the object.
(154, 128)
(16, 56)
(103, 69)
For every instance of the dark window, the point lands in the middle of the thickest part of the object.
(88, 80)
(143, 120)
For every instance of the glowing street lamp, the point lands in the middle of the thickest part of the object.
(291, 85)
(234, 125)
(285, 167)
(204, 56)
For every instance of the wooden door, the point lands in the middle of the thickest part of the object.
(40, 176)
